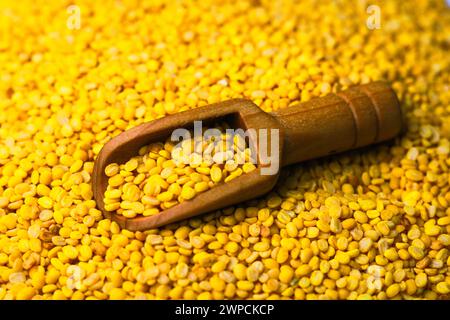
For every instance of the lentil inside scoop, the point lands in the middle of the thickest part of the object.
(369, 224)
(165, 174)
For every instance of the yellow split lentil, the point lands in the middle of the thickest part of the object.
(166, 174)
(369, 224)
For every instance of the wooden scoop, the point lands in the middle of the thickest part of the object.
(359, 116)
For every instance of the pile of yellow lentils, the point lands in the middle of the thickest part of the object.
(368, 224)
(163, 175)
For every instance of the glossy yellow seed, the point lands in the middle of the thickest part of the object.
(130, 193)
(286, 274)
(116, 180)
(261, 246)
(45, 202)
(165, 196)
(393, 290)
(117, 294)
(416, 252)
(245, 285)
(188, 192)
(316, 278)
(216, 174)
(248, 167)
(201, 186)
(111, 170)
(26, 293)
(131, 165)
(421, 280)
(443, 287)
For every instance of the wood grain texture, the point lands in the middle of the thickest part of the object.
(357, 117)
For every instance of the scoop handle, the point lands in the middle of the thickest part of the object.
(357, 117)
